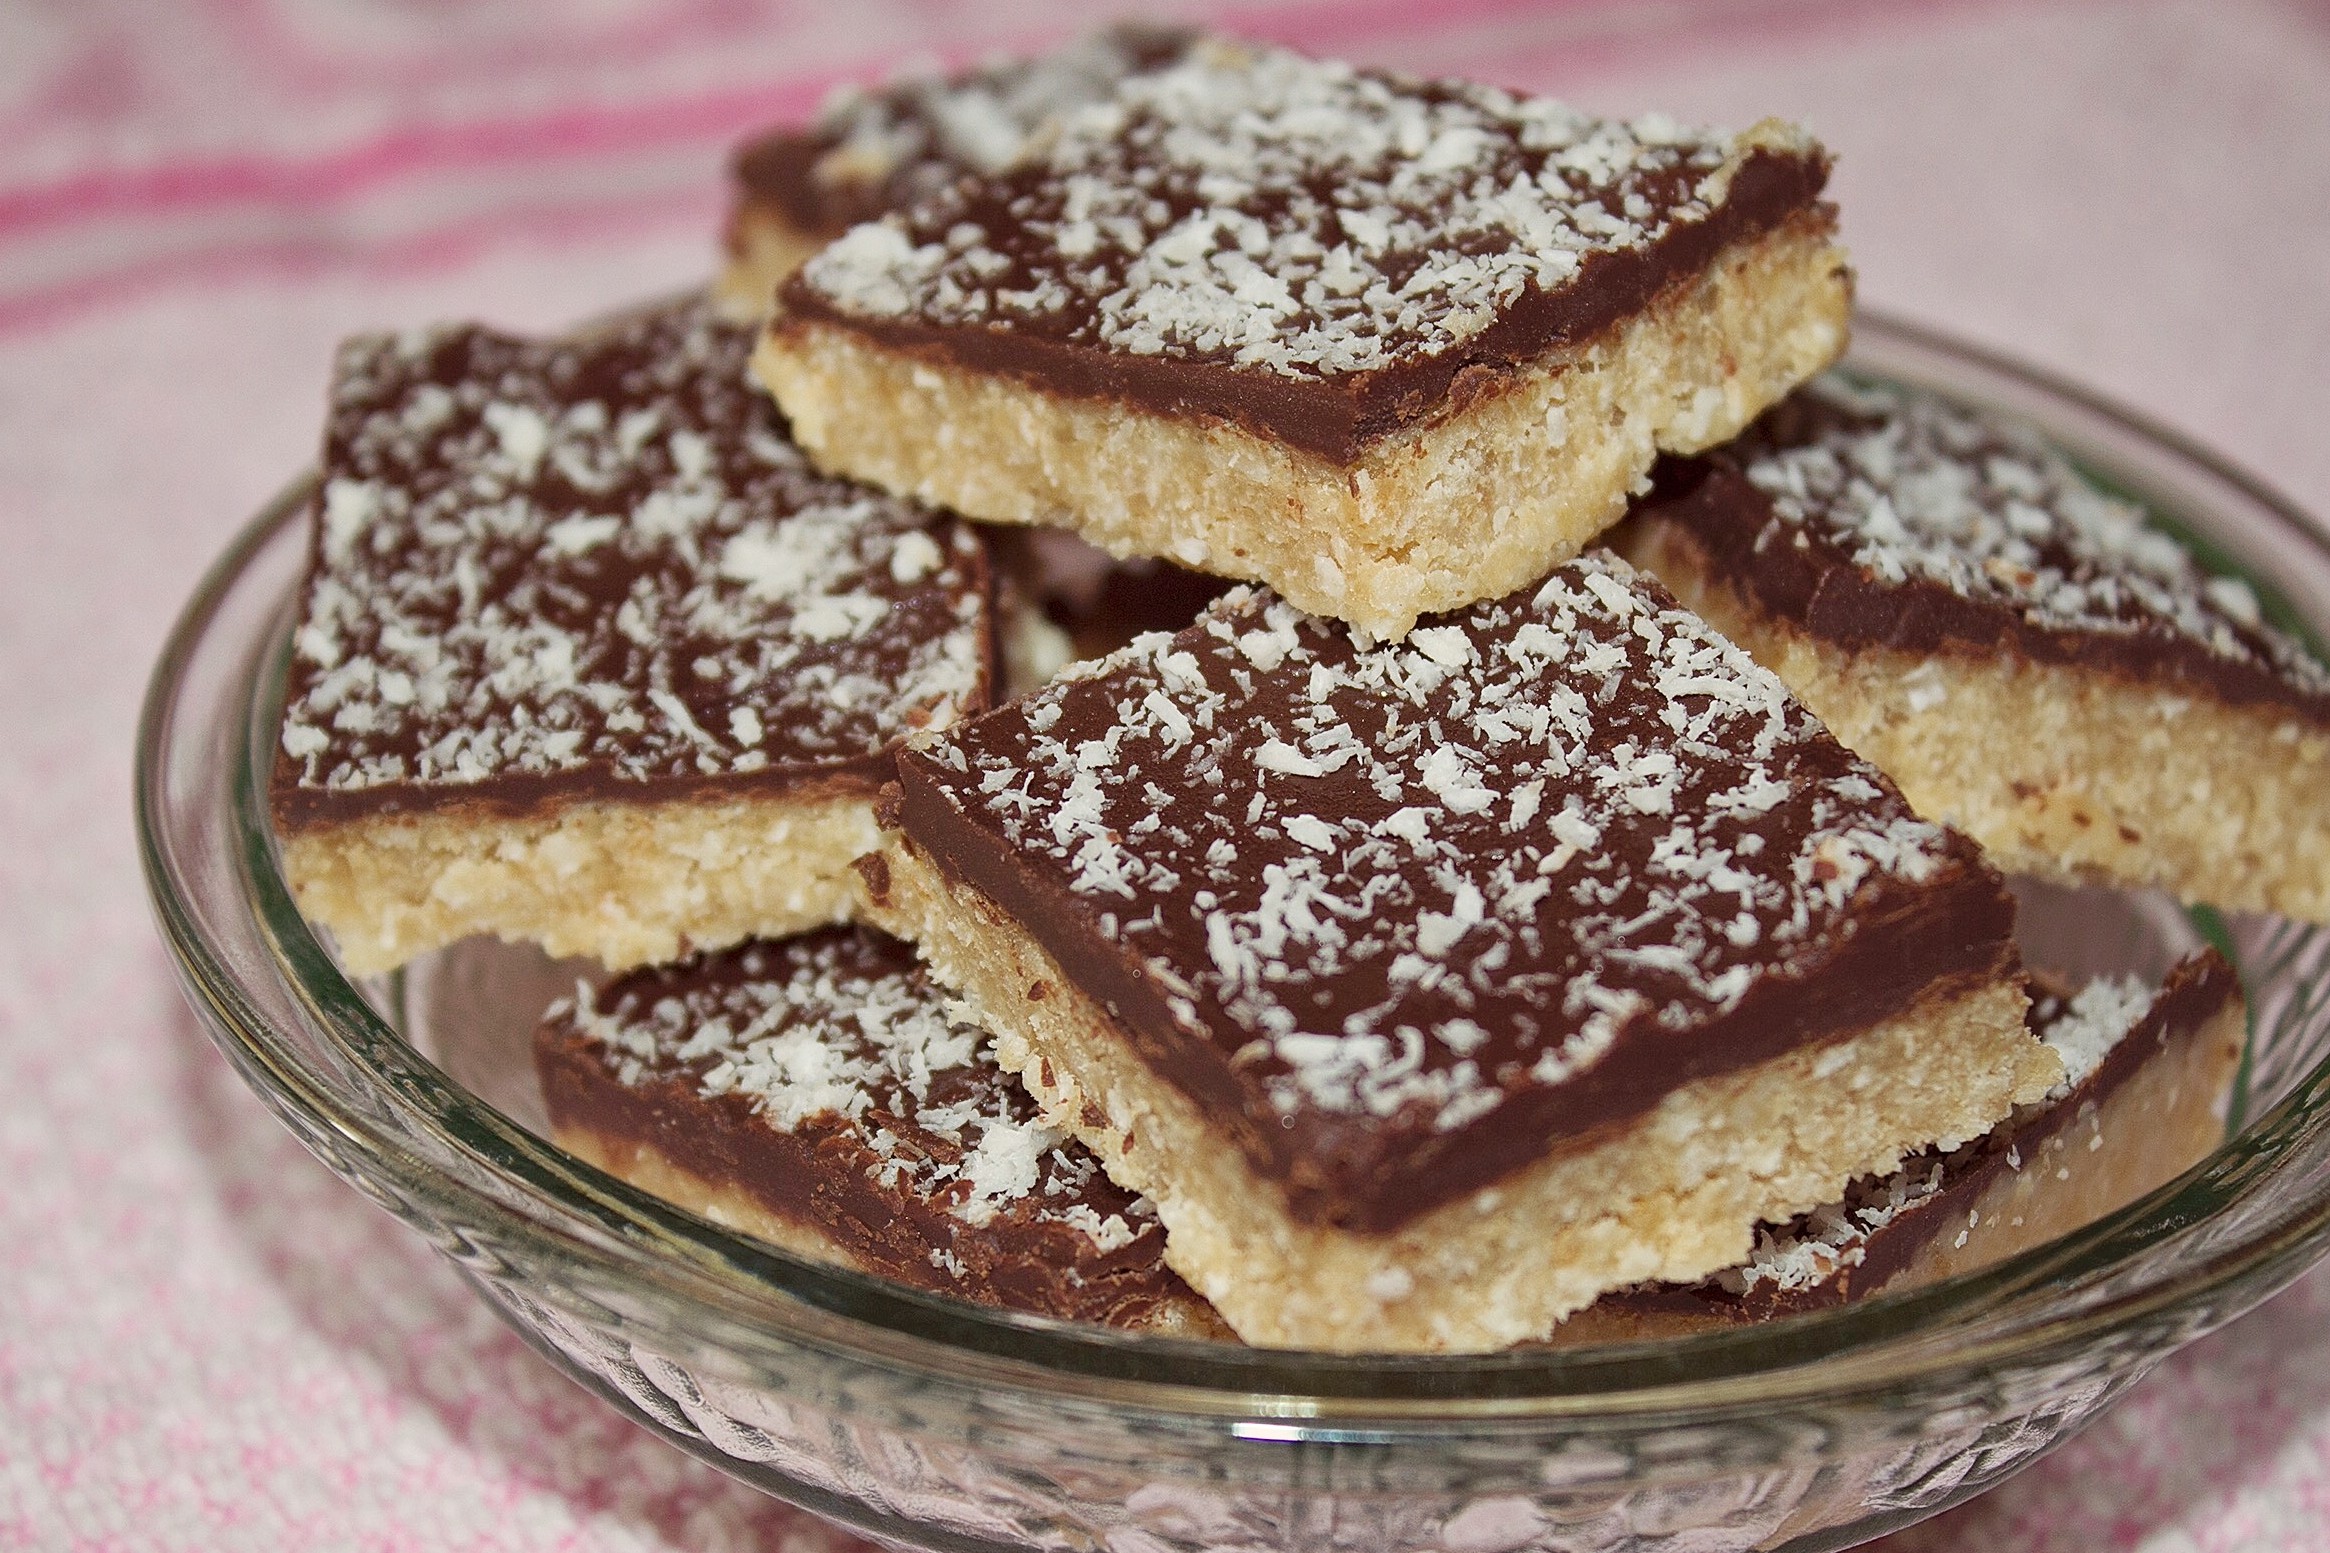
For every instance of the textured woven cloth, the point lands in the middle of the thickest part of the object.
(206, 1341)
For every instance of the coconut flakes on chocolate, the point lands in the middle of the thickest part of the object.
(2085, 1028)
(1921, 494)
(1803, 1255)
(842, 1028)
(544, 567)
(838, 1044)
(875, 150)
(1552, 856)
(1297, 217)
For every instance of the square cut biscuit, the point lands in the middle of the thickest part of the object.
(869, 152)
(588, 655)
(2028, 658)
(818, 1094)
(2148, 1076)
(1388, 346)
(1431, 990)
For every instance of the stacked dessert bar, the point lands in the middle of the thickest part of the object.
(1230, 695)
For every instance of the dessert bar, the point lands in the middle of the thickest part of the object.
(1389, 346)
(816, 1093)
(2148, 1075)
(2023, 654)
(1432, 989)
(588, 655)
(869, 152)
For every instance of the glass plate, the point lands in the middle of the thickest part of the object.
(941, 1425)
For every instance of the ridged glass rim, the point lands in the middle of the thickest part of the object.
(417, 1135)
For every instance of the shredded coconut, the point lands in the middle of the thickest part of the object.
(2084, 1031)
(843, 1033)
(1911, 487)
(1253, 207)
(913, 136)
(1809, 1251)
(1555, 818)
(602, 558)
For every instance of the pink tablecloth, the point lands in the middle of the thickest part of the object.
(204, 1340)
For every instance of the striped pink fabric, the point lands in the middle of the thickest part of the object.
(157, 146)
(206, 1342)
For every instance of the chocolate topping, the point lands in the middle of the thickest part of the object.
(870, 152)
(1321, 254)
(547, 569)
(824, 1077)
(1852, 1248)
(1405, 918)
(1877, 517)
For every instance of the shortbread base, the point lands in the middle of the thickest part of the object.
(1431, 518)
(2061, 771)
(763, 249)
(2166, 1117)
(625, 883)
(1673, 1195)
(653, 1171)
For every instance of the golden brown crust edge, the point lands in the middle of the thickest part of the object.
(1432, 518)
(625, 883)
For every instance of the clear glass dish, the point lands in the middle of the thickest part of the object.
(938, 1425)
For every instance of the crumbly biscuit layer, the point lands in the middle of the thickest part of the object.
(2058, 769)
(1674, 1195)
(626, 883)
(1428, 519)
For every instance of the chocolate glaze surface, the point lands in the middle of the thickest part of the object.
(598, 567)
(1852, 1249)
(823, 1077)
(1319, 254)
(875, 151)
(1876, 517)
(1408, 918)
